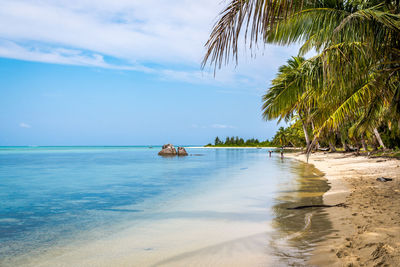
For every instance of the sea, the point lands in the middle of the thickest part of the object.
(127, 206)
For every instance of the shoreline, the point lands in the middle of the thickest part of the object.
(247, 147)
(255, 147)
(367, 231)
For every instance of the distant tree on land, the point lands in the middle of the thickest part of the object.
(232, 141)
(240, 142)
(217, 141)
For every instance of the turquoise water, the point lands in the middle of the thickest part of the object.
(49, 194)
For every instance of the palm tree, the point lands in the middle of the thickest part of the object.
(359, 52)
(287, 96)
(281, 136)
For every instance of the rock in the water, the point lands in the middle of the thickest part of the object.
(182, 151)
(167, 150)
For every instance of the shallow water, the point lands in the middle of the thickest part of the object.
(300, 230)
(165, 211)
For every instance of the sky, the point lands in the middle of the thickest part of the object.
(125, 72)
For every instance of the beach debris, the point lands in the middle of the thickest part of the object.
(318, 206)
(383, 179)
(168, 150)
(379, 251)
(182, 151)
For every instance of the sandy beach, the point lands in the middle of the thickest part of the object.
(367, 230)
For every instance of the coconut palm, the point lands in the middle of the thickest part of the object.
(287, 96)
(358, 45)
(281, 137)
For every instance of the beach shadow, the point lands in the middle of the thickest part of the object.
(221, 252)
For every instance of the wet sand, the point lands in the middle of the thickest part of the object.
(367, 231)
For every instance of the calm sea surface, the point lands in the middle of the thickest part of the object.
(51, 195)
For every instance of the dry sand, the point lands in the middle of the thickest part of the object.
(367, 231)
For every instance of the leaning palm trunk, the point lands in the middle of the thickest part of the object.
(378, 137)
(311, 147)
(305, 134)
(332, 148)
(313, 129)
(345, 146)
(364, 145)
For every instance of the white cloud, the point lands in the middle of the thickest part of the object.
(136, 34)
(24, 125)
(215, 126)
(161, 31)
(222, 126)
(10, 49)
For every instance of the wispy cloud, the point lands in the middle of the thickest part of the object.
(156, 31)
(24, 125)
(125, 35)
(215, 126)
(222, 126)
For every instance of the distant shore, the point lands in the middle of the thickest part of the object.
(368, 230)
(254, 147)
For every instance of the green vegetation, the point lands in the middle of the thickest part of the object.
(239, 142)
(388, 154)
(291, 136)
(348, 94)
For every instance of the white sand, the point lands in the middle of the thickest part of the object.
(368, 230)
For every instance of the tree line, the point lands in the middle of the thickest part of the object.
(291, 136)
(348, 94)
(236, 141)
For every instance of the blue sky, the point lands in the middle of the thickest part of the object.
(124, 73)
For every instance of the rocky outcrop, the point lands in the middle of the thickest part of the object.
(182, 151)
(167, 150)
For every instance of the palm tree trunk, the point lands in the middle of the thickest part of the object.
(378, 137)
(305, 133)
(332, 148)
(343, 140)
(345, 146)
(313, 128)
(364, 145)
(374, 145)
